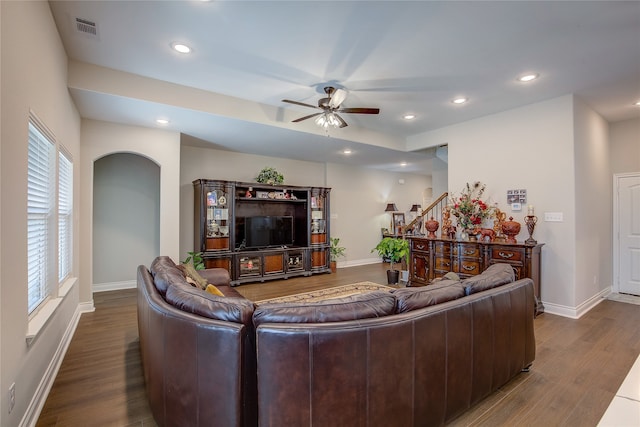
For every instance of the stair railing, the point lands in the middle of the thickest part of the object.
(434, 210)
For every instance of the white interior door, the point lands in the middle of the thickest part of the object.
(628, 221)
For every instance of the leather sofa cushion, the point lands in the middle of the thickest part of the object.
(496, 275)
(192, 300)
(165, 272)
(408, 299)
(360, 306)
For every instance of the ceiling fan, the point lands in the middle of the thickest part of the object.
(330, 106)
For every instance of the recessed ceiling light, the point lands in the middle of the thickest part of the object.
(637, 104)
(528, 77)
(179, 47)
(403, 164)
(162, 121)
(346, 151)
(409, 116)
(460, 100)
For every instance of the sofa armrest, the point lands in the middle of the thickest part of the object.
(216, 276)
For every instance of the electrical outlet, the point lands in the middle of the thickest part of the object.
(12, 396)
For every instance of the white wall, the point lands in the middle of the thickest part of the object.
(528, 148)
(162, 147)
(625, 146)
(34, 68)
(358, 195)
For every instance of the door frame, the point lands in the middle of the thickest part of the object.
(616, 227)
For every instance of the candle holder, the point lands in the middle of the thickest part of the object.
(530, 220)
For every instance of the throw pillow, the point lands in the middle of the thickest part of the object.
(190, 271)
(213, 290)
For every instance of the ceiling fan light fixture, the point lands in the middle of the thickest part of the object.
(327, 119)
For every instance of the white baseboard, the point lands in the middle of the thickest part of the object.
(32, 413)
(113, 286)
(357, 262)
(580, 310)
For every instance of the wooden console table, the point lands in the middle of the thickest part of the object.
(432, 258)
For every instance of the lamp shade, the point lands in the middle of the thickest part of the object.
(391, 207)
(415, 208)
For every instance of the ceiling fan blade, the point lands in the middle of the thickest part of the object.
(343, 124)
(360, 110)
(305, 117)
(299, 103)
(337, 98)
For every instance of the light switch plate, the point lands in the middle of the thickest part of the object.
(553, 217)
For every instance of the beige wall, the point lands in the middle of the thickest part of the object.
(625, 146)
(358, 195)
(34, 69)
(528, 148)
(593, 199)
(163, 148)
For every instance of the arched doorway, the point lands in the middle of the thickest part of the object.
(126, 218)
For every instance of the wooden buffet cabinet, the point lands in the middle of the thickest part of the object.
(432, 258)
(223, 211)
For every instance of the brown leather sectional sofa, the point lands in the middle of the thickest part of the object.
(413, 357)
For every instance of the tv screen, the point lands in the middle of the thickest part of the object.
(265, 231)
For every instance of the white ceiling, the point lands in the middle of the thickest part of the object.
(401, 57)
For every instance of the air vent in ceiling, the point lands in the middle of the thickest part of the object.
(84, 26)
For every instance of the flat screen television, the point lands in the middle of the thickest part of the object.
(268, 231)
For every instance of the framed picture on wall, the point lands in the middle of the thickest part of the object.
(398, 222)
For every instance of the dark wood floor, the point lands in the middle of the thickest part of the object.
(579, 364)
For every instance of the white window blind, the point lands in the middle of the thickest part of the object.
(65, 220)
(40, 214)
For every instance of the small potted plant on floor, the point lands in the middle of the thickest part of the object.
(394, 250)
(335, 251)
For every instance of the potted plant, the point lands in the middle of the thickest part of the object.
(196, 259)
(270, 176)
(335, 251)
(395, 250)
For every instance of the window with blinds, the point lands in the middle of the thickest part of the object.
(65, 220)
(41, 192)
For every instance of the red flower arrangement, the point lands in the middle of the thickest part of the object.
(469, 209)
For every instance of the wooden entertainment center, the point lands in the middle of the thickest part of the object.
(261, 232)
(432, 258)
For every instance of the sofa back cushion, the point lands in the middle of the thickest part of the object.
(408, 299)
(193, 300)
(353, 307)
(496, 275)
(165, 272)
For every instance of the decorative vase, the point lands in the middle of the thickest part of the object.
(432, 226)
(511, 229)
(472, 233)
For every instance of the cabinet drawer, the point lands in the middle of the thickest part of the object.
(418, 245)
(443, 264)
(504, 253)
(468, 250)
(469, 267)
(443, 249)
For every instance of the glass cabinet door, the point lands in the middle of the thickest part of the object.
(217, 217)
(319, 209)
